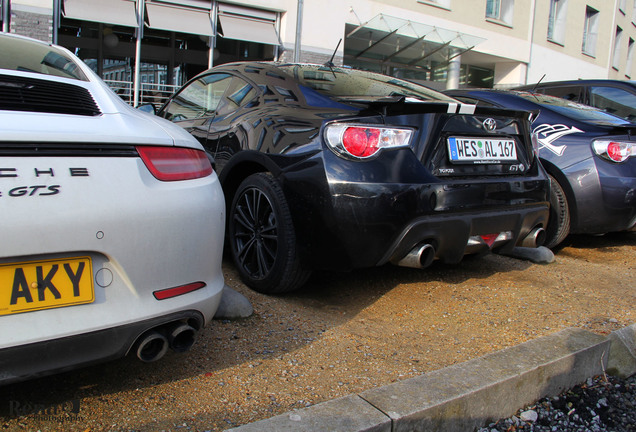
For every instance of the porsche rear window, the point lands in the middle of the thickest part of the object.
(30, 56)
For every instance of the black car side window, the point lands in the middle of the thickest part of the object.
(239, 94)
(199, 98)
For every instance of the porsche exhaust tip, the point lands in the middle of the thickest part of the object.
(181, 337)
(535, 239)
(421, 256)
(152, 346)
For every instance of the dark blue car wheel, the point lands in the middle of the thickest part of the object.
(262, 237)
(559, 221)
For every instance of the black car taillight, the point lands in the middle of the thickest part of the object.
(363, 141)
(175, 163)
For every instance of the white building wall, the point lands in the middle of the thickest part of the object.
(323, 26)
(510, 74)
(558, 66)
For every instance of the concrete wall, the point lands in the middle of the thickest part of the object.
(32, 18)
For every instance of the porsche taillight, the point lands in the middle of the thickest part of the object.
(615, 151)
(175, 163)
(364, 141)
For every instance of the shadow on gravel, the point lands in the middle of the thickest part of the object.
(334, 298)
(603, 243)
(273, 330)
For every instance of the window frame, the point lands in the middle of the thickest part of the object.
(616, 51)
(557, 17)
(590, 31)
(630, 58)
(443, 4)
(502, 12)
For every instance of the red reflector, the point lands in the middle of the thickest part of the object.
(177, 291)
(175, 163)
(489, 238)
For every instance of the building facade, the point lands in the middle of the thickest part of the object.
(146, 48)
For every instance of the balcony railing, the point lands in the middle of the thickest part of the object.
(156, 94)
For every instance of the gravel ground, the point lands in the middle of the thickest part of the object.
(602, 404)
(343, 334)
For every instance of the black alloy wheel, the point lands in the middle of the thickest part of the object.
(262, 237)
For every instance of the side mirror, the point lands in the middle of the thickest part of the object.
(147, 108)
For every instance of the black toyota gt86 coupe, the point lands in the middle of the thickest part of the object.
(331, 168)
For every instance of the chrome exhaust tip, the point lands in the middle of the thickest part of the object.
(152, 346)
(420, 257)
(181, 337)
(535, 238)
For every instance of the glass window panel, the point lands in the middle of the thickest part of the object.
(200, 98)
(615, 101)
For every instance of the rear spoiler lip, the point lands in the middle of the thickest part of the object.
(396, 105)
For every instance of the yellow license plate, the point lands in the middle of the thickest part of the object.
(36, 285)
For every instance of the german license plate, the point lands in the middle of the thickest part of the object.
(481, 151)
(36, 285)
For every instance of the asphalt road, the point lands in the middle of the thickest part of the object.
(342, 334)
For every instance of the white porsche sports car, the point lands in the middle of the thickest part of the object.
(112, 224)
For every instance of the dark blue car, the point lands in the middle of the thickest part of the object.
(589, 154)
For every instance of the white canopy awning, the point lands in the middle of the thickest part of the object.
(118, 12)
(386, 38)
(179, 19)
(246, 29)
(248, 24)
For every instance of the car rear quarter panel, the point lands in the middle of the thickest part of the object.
(149, 235)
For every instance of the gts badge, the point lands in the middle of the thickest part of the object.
(36, 190)
(42, 188)
(547, 134)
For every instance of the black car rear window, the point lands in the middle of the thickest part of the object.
(572, 109)
(349, 83)
(31, 56)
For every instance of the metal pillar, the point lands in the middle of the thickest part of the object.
(6, 16)
(140, 35)
(299, 30)
(454, 65)
(212, 40)
(57, 18)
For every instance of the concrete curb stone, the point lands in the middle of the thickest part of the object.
(346, 414)
(622, 355)
(468, 395)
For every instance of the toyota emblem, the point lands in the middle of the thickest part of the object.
(490, 124)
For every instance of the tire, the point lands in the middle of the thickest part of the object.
(262, 239)
(559, 222)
